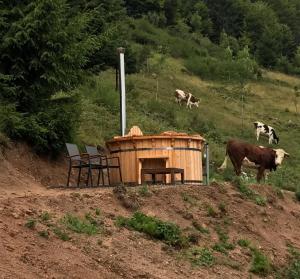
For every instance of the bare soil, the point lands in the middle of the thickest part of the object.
(121, 253)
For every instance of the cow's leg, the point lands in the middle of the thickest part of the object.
(260, 173)
(237, 164)
(224, 164)
(257, 134)
(270, 139)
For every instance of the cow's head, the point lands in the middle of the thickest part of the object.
(197, 103)
(279, 155)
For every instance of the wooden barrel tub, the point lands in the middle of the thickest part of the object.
(167, 150)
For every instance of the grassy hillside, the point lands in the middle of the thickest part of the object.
(221, 115)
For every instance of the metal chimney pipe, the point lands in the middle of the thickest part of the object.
(121, 52)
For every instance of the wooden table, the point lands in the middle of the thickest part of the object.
(165, 171)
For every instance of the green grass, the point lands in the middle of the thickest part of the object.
(45, 216)
(223, 245)
(144, 191)
(61, 233)
(244, 243)
(44, 234)
(292, 269)
(211, 212)
(201, 257)
(200, 228)
(249, 193)
(189, 199)
(297, 195)
(87, 225)
(155, 111)
(260, 264)
(31, 223)
(168, 232)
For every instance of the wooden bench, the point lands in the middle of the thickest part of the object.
(164, 171)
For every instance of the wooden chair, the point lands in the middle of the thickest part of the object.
(100, 162)
(77, 162)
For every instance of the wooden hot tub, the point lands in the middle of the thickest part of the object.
(167, 150)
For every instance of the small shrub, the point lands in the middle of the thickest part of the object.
(297, 195)
(166, 231)
(223, 245)
(260, 263)
(200, 228)
(87, 226)
(211, 212)
(188, 199)
(201, 257)
(222, 207)
(97, 211)
(61, 233)
(31, 223)
(292, 270)
(259, 200)
(244, 242)
(44, 234)
(45, 216)
(144, 191)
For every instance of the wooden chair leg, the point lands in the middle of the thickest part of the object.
(153, 178)
(142, 177)
(120, 175)
(172, 178)
(182, 177)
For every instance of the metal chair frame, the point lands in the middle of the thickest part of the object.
(81, 163)
(100, 162)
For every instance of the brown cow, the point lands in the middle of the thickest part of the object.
(264, 158)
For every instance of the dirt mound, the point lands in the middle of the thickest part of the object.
(38, 252)
(45, 233)
(23, 170)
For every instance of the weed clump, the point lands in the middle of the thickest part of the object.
(144, 191)
(166, 231)
(249, 193)
(223, 245)
(244, 242)
(45, 216)
(88, 225)
(201, 257)
(61, 233)
(260, 263)
(44, 234)
(297, 195)
(199, 227)
(31, 223)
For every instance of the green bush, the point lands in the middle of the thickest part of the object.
(46, 130)
(87, 226)
(61, 233)
(31, 223)
(260, 263)
(201, 257)
(297, 194)
(166, 231)
(244, 242)
(224, 66)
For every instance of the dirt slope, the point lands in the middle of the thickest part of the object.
(121, 253)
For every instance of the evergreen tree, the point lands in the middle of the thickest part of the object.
(42, 51)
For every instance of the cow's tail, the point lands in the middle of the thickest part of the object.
(224, 164)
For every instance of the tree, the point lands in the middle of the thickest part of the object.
(171, 9)
(43, 50)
